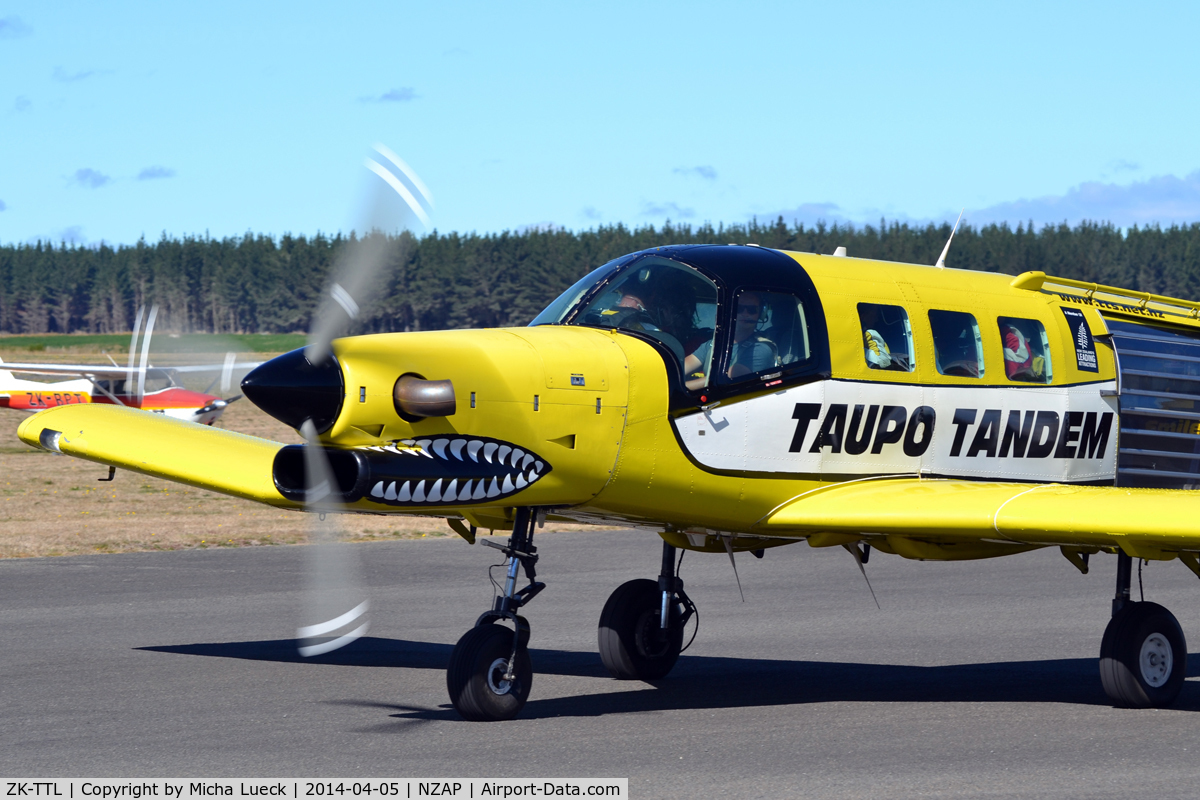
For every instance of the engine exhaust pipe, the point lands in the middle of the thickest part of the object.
(417, 398)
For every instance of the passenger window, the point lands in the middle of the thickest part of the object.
(769, 331)
(1026, 350)
(887, 337)
(957, 345)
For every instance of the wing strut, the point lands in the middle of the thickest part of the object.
(96, 385)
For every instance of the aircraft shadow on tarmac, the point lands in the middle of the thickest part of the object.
(706, 682)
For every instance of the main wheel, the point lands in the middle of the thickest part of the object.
(1143, 657)
(476, 680)
(633, 644)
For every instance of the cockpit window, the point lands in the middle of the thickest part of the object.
(558, 310)
(664, 300)
(769, 331)
(155, 381)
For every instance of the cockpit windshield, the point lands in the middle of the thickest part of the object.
(557, 311)
(769, 332)
(662, 299)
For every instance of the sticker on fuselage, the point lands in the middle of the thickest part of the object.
(1081, 336)
(1063, 434)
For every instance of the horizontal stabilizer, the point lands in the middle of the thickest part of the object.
(159, 446)
(1145, 523)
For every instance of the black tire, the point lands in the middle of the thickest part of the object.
(1143, 657)
(633, 646)
(475, 676)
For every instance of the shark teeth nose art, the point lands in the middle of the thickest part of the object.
(449, 471)
(438, 471)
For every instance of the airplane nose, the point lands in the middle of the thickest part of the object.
(292, 389)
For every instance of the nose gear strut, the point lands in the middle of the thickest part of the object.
(490, 672)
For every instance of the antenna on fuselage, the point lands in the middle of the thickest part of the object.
(860, 558)
(941, 262)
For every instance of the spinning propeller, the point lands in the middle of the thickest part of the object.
(335, 608)
(139, 366)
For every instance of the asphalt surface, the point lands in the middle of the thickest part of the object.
(975, 679)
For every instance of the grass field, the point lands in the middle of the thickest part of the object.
(53, 505)
(19, 347)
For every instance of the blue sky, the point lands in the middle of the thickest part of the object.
(125, 119)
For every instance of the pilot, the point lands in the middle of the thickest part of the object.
(749, 351)
(631, 301)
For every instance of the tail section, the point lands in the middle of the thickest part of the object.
(6, 377)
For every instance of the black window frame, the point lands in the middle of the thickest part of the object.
(734, 268)
(981, 356)
(911, 353)
(1044, 342)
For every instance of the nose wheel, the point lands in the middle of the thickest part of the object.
(1143, 656)
(478, 679)
(490, 672)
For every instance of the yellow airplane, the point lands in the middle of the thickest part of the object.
(732, 399)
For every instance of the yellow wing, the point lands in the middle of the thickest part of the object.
(152, 444)
(955, 519)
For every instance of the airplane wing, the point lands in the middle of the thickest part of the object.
(955, 519)
(111, 372)
(159, 446)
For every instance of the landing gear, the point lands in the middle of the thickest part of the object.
(490, 673)
(478, 678)
(641, 626)
(1143, 657)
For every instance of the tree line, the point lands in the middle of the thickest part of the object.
(260, 284)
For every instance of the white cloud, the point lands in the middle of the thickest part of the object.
(62, 76)
(705, 172)
(541, 227)
(89, 178)
(72, 234)
(1164, 200)
(808, 214)
(11, 27)
(402, 94)
(153, 173)
(667, 211)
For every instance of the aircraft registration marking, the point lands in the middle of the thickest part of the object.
(49, 399)
(1061, 434)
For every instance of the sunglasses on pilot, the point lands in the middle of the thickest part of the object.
(751, 309)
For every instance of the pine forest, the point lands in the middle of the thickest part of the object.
(262, 284)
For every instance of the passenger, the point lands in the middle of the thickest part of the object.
(876, 350)
(955, 344)
(1020, 362)
(749, 351)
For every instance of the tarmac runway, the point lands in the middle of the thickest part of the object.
(975, 678)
